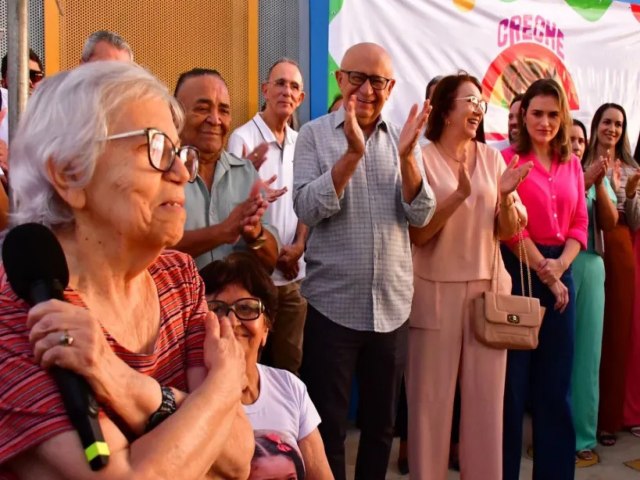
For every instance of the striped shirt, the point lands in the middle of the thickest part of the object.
(359, 270)
(31, 409)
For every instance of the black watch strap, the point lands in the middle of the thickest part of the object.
(166, 408)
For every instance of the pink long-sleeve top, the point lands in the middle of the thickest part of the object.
(554, 200)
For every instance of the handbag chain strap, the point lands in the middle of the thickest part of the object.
(522, 255)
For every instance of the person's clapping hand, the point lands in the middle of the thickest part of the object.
(413, 126)
(224, 357)
(514, 175)
(255, 206)
(595, 172)
(257, 156)
(272, 194)
(352, 131)
(632, 184)
(245, 218)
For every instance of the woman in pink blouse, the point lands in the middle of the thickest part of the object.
(556, 232)
(453, 265)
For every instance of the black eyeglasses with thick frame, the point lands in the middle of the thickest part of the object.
(477, 103)
(247, 309)
(162, 152)
(359, 78)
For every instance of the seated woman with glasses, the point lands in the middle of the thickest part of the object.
(273, 399)
(455, 258)
(95, 160)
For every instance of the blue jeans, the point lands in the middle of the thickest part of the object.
(542, 376)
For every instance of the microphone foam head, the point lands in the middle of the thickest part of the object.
(30, 253)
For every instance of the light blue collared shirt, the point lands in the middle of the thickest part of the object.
(359, 269)
(232, 183)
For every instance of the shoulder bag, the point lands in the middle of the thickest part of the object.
(508, 321)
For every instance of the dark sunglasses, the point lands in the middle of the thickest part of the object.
(35, 76)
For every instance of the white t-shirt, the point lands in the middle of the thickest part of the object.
(279, 162)
(283, 405)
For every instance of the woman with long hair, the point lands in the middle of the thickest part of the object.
(588, 276)
(453, 265)
(609, 141)
(553, 194)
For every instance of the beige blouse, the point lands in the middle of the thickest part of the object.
(463, 250)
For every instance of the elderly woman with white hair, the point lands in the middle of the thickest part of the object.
(95, 160)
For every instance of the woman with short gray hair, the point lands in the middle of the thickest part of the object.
(95, 160)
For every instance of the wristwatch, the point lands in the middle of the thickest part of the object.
(166, 408)
(259, 241)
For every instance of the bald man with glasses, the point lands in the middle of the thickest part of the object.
(358, 184)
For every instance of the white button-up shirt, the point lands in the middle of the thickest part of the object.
(279, 162)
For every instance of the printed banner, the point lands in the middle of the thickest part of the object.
(592, 47)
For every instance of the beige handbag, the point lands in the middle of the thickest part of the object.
(508, 321)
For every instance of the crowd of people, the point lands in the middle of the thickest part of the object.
(226, 288)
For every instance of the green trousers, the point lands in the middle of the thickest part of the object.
(588, 274)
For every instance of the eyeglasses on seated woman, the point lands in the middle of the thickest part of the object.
(240, 289)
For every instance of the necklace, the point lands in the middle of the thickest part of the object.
(441, 148)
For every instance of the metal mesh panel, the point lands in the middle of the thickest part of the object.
(169, 37)
(278, 22)
(36, 28)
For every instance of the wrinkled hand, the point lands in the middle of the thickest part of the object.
(257, 156)
(223, 355)
(244, 220)
(353, 132)
(632, 184)
(561, 293)
(514, 175)
(464, 180)
(89, 355)
(550, 270)
(412, 128)
(272, 194)
(288, 261)
(256, 206)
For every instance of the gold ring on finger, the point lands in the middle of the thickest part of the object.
(66, 340)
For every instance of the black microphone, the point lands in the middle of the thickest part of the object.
(37, 271)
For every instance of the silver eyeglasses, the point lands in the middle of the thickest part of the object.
(476, 102)
(162, 152)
